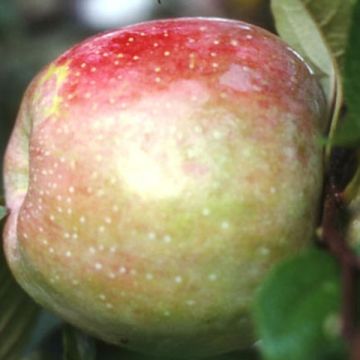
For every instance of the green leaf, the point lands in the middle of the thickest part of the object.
(296, 25)
(45, 325)
(110, 352)
(318, 30)
(77, 345)
(334, 19)
(349, 133)
(39, 355)
(2, 212)
(297, 310)
(17, 316)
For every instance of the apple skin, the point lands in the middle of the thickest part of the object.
(154, 176)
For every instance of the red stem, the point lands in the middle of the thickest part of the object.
(335, 241)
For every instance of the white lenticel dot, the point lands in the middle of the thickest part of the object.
(212, 277)
(205, 211)
(98, 266)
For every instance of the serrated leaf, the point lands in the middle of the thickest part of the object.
(77, 345)
(298, 307)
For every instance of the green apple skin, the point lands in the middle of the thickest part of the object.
(154, 176)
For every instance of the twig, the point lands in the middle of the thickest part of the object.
(334, 239)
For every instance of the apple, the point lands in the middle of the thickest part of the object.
(154, 176)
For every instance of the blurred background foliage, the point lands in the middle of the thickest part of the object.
(34, 32)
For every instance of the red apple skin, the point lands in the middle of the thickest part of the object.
(156, 173)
